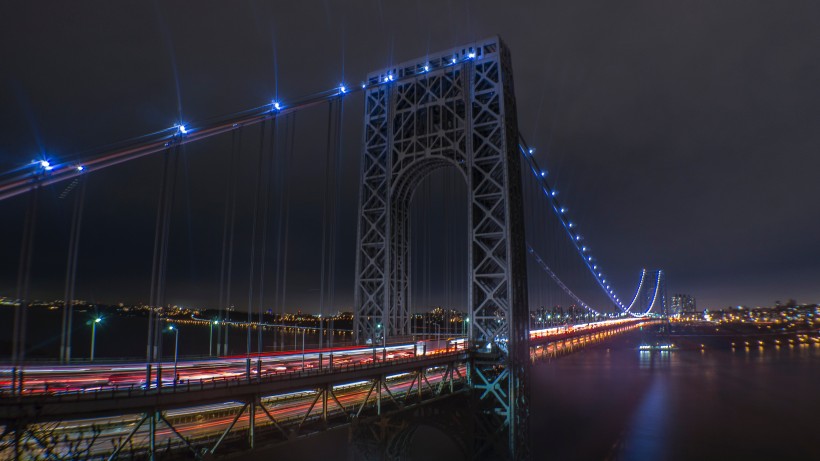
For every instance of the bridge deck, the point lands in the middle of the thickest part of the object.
(117, 402)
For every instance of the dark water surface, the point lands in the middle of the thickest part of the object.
(614, 402)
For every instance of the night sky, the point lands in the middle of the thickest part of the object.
(682, 135)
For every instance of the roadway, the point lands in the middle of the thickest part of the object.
(106, 376)
(88, 377)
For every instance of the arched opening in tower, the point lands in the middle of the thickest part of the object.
(438, 254)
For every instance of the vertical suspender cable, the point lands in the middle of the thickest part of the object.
(23, 279)
(223, 262)
(335, 209)
(257, 200)
(235, 157)
(263, 250)
(71, 272)
(169, 208)
(151, 351)
(325, 211)
(289, 149)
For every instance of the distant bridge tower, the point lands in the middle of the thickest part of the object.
(454, 108)
(653, 298)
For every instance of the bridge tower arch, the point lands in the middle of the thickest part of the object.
(455, 107)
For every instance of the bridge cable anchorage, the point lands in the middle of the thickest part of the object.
(569, 226)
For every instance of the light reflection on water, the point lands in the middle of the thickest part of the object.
(619, 403)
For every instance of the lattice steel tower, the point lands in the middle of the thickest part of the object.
(453, 108)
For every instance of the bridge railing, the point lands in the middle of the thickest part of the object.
(118, 391)
(55, 387)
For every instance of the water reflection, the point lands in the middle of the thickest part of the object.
(646, 436)
(654, 359)
(709, 403)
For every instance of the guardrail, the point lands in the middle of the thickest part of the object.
(117, 392)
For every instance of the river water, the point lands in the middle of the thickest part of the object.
(614, 402)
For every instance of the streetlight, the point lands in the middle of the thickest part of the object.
(94, 335)
(384, 346)
(373, 340)
(211, 337)
(303, 347)
(176, 350)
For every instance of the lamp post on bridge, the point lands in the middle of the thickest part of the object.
(374, 338)
(211, 337)
(176, 350)
(94, 335)
(303, 344)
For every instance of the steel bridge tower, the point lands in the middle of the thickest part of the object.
(454, 108)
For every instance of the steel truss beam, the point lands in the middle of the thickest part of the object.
(456, 109)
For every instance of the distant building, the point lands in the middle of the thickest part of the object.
(683, 305)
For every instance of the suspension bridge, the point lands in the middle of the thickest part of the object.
(528, 271)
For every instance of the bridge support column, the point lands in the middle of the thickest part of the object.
(328, 387)
(152, 435)
(251, 422)
(379, 396)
